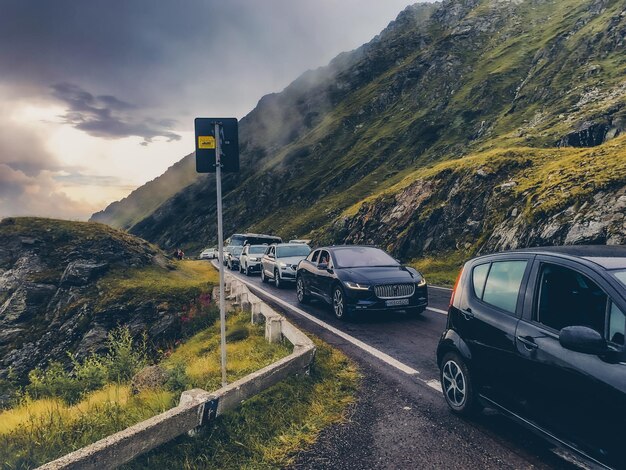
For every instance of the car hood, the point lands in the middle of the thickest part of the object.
(290, 259)
(378, 275)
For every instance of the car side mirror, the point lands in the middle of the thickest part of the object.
(582, 339)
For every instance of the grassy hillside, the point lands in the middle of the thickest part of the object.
(442, 82)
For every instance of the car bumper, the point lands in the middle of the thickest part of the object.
(254, 267)
(288, 275)
(418, 301)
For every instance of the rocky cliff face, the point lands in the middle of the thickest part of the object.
(497, 201)
(50, 296)
(444, 82)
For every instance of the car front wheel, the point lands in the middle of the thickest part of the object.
(277, 281)
(339, 303)
(303, 298)
(457, 385)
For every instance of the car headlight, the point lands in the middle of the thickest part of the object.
(282, 265)
(356, 285)
(421, 282)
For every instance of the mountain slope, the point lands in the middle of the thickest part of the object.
(442, 82)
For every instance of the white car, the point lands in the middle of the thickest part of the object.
(280, 261)
(250, 259)
(209, 253)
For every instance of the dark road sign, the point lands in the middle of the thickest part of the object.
(206, 144)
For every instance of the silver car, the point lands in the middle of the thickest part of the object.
(250, 259)
(280, 261)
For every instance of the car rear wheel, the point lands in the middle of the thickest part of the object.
(457, 385)
(339, 304)
(303, 297)
(277, 281)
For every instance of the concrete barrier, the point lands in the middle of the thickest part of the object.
(198, 407)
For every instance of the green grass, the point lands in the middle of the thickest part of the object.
(268, 430)
(187, 280)
(38, 430)
(443, 269)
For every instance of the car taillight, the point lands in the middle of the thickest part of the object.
(456, 285)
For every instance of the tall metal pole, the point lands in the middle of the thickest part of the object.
(220, 241)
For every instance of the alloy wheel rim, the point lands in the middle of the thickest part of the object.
(338, 303)
(454, 384)
(300, 289)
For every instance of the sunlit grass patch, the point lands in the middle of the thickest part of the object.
(268, 430)
(441, 270)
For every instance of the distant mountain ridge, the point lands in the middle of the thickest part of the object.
(466, 81)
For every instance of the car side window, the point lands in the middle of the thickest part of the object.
(324, 257)
(503, 284)
(313, 256)
(617, 325)
(569, 298)
(479, 276)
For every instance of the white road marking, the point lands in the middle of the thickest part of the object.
(437, 310)
(440, 288)
(434, 383)
(358, 343)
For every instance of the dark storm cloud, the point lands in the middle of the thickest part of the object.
(107, 116)
(178, 59)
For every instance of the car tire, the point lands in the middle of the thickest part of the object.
(303, 297)
(339, 304)
(264, 278)
(277, 281)
(458, 386)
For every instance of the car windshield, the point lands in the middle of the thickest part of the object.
(621, 276)
(228, 248)
(362, 256)
(255, 250)
(292, 250)
(237, 250)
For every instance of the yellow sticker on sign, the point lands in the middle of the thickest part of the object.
(206, 142)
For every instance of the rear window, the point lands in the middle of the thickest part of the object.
(503, 284)
(479, 275)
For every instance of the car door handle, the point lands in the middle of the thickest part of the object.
(528, 342)
(467, 313)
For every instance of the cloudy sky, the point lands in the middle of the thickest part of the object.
(98, 97)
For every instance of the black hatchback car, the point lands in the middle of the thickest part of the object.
(539, 335)
(356, 278)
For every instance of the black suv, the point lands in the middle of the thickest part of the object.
(539, 335)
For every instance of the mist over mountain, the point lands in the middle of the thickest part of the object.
(473, 124)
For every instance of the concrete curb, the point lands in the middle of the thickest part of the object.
(198, 407)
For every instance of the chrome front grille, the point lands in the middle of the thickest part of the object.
(394, 291)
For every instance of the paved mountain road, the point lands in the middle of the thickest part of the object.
(400, 420)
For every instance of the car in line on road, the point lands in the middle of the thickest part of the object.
(356, 279)
(538, 334)
(280, 261)
(209, 253)
(250, 259)
(232, 261)
(242, 239)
